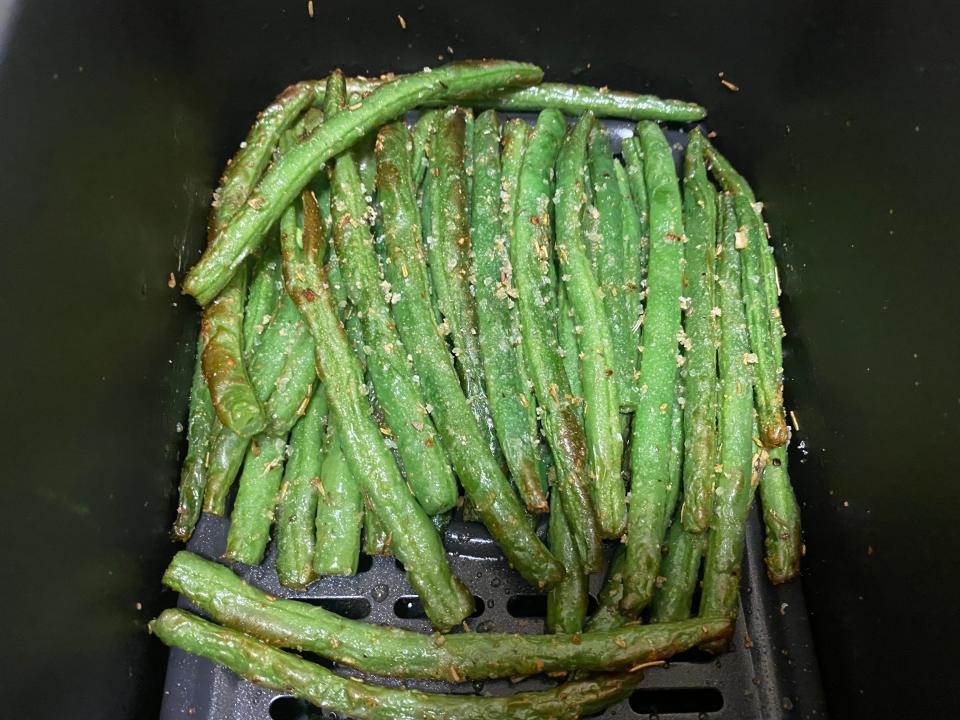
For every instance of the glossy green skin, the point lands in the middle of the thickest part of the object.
(633, 157)
(231, 391)
(339, 516)
(424, 461)
(479, 473)
(287, 177)
(227, 450)
(783, 543)
(608, 615)
(393, 652)
(680, 570)
(349, 697)
(567, 600)
(760, 297)
(567, 338)
(703, 332)
(676, 459)
(247, 165)
(294, 388)
(422, 135)
(601, 412)
(449, 251)
(514, 413)
(415, 541)
(469, 123)
(375, 541)
(262, 296)
(652, 423)
(530, 256)
(193, 473)
(296, 534)
(737, 481)
(571, 100)
(612, 265)
(630, 291)
(253, 510)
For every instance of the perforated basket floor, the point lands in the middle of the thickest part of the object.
(769, 673)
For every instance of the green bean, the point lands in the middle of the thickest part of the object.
(737, 481)
(227, 450)
(461, 435)
(294, 388)
(675, 463)
(530, 257)
(633, 156)
(193, 473)
(339, 516)
(424, 462)
(601, 413)
(231, 392)
(449, 250)
(567, 600)
(783, 543)
(390, 651)
(375, 538)
(469, 123)
(608, 615)
(702, 336)
(415, 541)
(254, 507)
(607, 207)
(247, 165)
(423, 130)
(567, 338)
(658, 373)
(296, 530)
(630, 289)
(760, 297)
(572, 100)
(350, 697)
(262, 297)
(514, 416)
(680, 570)
(287, 177)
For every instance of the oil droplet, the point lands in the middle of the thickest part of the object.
(478, 686)
(491, 603)
(495, 582)
(379, 592)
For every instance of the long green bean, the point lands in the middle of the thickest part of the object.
(680, 571)
(514, 415)
(479, 473)
(254, 508)
(783, 543)
(339, 515)
(415, 541)
(567, 600)
(650, 448)
(601, 414)
(530, 257)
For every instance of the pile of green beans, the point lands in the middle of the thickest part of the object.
(470, 312)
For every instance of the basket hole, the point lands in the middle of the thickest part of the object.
(527, 606)
(354, 608)
(665, 701)
(693, 655)
(399, 565)
(364, 563)
(286, 707)
(409, 607)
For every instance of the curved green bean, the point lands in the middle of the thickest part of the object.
(394, 652)
(601, 413)
(287, 177)
(350, 697)
(479, 473)
(652, 422)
